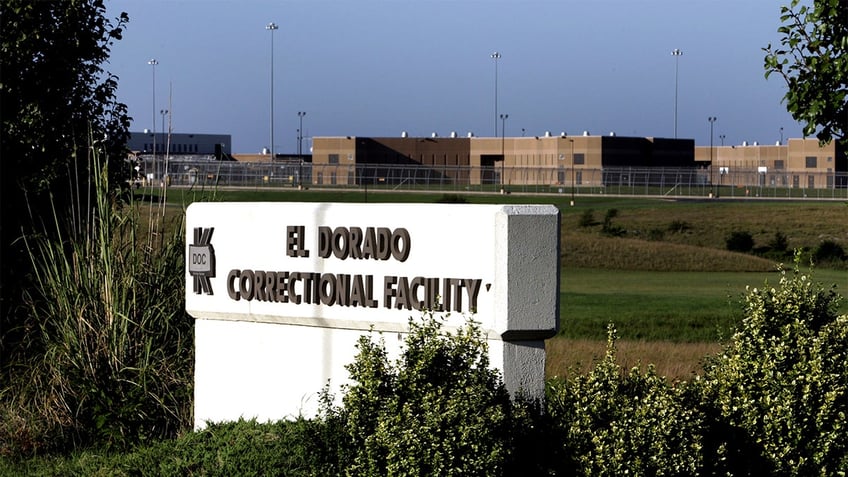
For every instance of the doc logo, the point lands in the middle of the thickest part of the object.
(201, 260)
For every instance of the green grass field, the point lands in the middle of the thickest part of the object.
(686, 307)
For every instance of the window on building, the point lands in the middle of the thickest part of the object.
(579, 158)
(579, 177)
(830, 159)
(810, 162)
(334, 159)
(779, 164)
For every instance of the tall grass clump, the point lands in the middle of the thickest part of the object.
(111, 348)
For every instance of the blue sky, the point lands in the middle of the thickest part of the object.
(380, 67)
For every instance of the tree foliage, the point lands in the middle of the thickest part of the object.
(813, 60)
(56, 104)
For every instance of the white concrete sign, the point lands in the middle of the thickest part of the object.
(282, 291)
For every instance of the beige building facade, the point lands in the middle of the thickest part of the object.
(802, 163)
(548, 159)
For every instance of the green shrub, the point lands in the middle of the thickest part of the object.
(779, 243)
(438, 410)
(613, 423)
(777, 249)
(608, 228)
(290, 448)
(587, 218)
(679, 226)
(114, 364)
(452, 199)
(829, 252)
(776, 398)
(656, 235)
(740, 242)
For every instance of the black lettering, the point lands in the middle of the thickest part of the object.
(389, 291)
(295, 246)
(356, 242)
(328, 289)
(294, 277)
(231, 279)
(341, 242)
(472, 288)
(270, 286)
(433, 294)
(325, 240)
(417, 283)
(457, 293)
(259, 285)
(282, 287)
(291, 241)
(446, 296)
(370, 302)
(384, 240)
(403, 295)
(343, 290)
(246, 284)
(400, 235)
(311, 288)
(369, 243)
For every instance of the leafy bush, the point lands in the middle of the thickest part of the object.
(115, 346)
(587, 218)
(779, 243)
(776, 399)
(613, 423)
(777, 249)
(452, 199)
(608, 228)
(829, 252)
(438, 410)
(740, 242)
(656, 235)
(290, 448)
(679, 226)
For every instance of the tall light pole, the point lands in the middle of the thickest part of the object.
(721, 137)
(153, 64)
(503, 153)
(496, 56)
(573, 171)
(781, 135)
(712, 120)
(676, 54)
(163, 112)
(300, 115)
(272, 27)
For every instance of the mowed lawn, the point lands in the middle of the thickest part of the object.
(671, 320)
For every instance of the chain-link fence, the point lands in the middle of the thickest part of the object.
(662, 182)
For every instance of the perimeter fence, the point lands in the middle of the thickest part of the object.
(625, 181)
